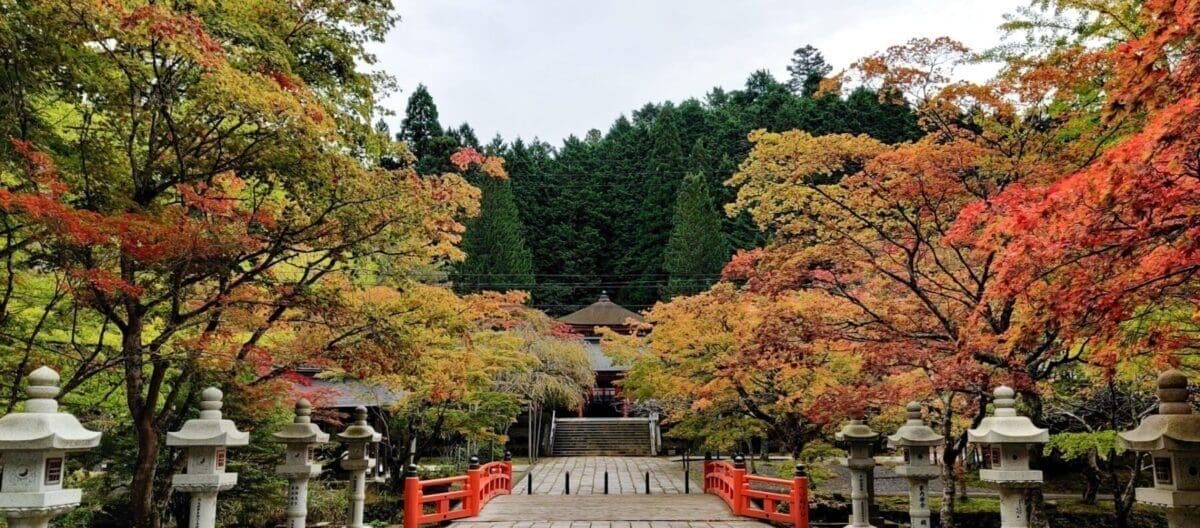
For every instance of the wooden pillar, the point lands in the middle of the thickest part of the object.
(739, 484)
(708, 462)
(412, 498)
(799, 508)
(474, 482)
(508, 470)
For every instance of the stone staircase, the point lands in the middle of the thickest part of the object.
(602, 437)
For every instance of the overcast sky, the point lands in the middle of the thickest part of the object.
(549, 68)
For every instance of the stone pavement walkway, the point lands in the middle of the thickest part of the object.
(626, 475)
(610, 511)
(626, 506)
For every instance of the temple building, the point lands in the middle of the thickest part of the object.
(604, 400)
(607, 423)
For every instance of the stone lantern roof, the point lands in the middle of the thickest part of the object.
(360, 430)
(41, 426)
(1004, 426)
(856, 431)
(1174, 427)
(209, 429)
(302, 430)
(914, 432)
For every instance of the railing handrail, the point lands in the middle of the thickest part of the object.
(776, 481)
(733, 485)
(443, 481)
(479, 485)
(553, 421)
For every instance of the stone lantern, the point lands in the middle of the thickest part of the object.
(360, 439)
(860, 442)
(33, 448)
(299, 437)
(917, 440)
(1006, 440)
(206, 439)
(1172, 437)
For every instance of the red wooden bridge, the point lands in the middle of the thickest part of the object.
(434, 501)
(781, 502)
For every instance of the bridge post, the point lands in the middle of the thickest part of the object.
(473, 484)
(509, 472)
(799, 511)
(412, 497)
(739, 484)
(708, 462)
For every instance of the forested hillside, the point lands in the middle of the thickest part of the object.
(596, 212)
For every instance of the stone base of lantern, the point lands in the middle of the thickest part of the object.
(40, 512)
(204, 483)
(33, 502)
(36, 521)
(1013, 508)
(357, 465)
(1011, 478)
(297, 470)
(918, 472)
(1170, 498)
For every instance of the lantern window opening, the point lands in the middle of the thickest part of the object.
(1162, 471)
(54, 471)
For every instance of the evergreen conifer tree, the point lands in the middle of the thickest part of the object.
(497, 257)
(697, 249)
(430, 143)
(660, 184)
(420, 126)
(807, 69)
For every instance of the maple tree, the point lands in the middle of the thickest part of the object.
(1110, 249)
(885, 231)
(204, 195)
(471, 384)
(712, 362)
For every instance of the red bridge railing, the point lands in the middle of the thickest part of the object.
(770, 499)
(446, 499)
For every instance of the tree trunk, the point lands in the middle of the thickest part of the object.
(1037, 499)
(961, 473)
(949, 489)
(145, 469)
(1124, 496)
(1091, 475)
(145, 465)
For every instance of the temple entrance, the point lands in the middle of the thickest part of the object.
(605, 402)
(605, 399)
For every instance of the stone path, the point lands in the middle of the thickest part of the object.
(626, 506)
(611, 511)
(626, 475)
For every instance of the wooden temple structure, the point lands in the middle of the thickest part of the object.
(604, 400)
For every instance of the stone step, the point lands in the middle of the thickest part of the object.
(600, 436)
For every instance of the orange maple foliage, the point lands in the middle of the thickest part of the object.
(1111, 251)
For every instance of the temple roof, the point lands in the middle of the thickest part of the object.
(344, 393)
(603, 312)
